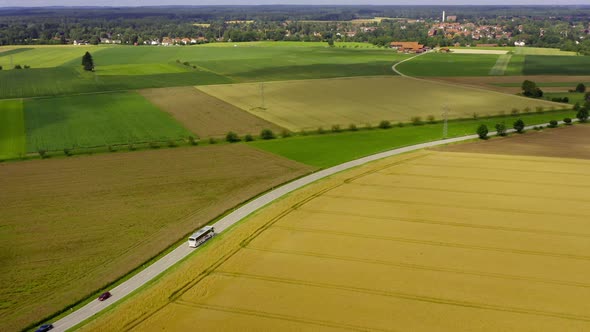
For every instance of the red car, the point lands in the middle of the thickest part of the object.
(104, 296)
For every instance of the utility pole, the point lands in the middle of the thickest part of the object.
(445, 121)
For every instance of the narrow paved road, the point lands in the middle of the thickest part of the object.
(183, 250)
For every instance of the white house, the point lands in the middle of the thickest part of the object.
(519, 43)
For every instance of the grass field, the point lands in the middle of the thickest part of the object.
(247, 63)
(573, 97)
(204, 115)
(45, 56)
(541, 51)
(448, 64)
(126, 68)
(327, 150)
(428, 240)
(556, 65)
(72, 80)
(12, 129)
(298, 105)
(96, 120)
(70, 226)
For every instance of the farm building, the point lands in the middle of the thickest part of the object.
(409, 47)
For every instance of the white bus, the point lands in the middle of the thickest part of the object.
(201, 236)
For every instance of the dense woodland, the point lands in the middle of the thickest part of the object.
(566, 27)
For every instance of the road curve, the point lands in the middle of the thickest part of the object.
(394, 67)
(240, 213)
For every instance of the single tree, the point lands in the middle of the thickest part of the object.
(482, 131)
(553, 124)
(88, 62)
(384, 124)
(530, 89)
(577, 106)
(267, 134)
(582, 114)
(501, 129)
(581, 88)
(232, 137)
(519, 126)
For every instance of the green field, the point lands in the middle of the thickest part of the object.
(248, 63)
(12, 129)
(449, 64)
(307, 105)
(72, 80)
(541, 51)
(127, 68)
(96, 120)
(574, 97)
(45, 56)
(336, 148)
(556, 65)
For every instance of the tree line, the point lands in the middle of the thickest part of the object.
(561, 26)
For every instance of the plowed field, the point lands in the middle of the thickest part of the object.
(565, 142)
(205, 115)
(420, 242)
(70, 226)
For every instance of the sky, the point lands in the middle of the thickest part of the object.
(119, 3)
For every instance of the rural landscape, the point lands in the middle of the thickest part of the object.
(364, 167)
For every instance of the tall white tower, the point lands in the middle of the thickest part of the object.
(444, 16)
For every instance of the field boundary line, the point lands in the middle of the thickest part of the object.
(435, 243)
(479, 179)
(568, 199)
(445, 223)
(181, 251)
(421, 267)
(409, 296)
(258, 313)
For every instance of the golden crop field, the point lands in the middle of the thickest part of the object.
(427, 241)
(310, 104)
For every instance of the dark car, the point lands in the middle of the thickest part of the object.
(44, 327)
(104, 296)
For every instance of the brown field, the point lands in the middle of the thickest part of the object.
(427, 241)
(70, 226)
(564, 142)
(205, 115)
(488, 82)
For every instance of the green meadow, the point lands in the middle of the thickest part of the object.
(335, 148)
(96, 120)
(556, 65)
(449, 64)
(45, 56)
(127, 68)
(252, 62)
(12, 129)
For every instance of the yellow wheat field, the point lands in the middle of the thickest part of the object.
(428, 241)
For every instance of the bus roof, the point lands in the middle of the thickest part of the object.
(201, 231)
